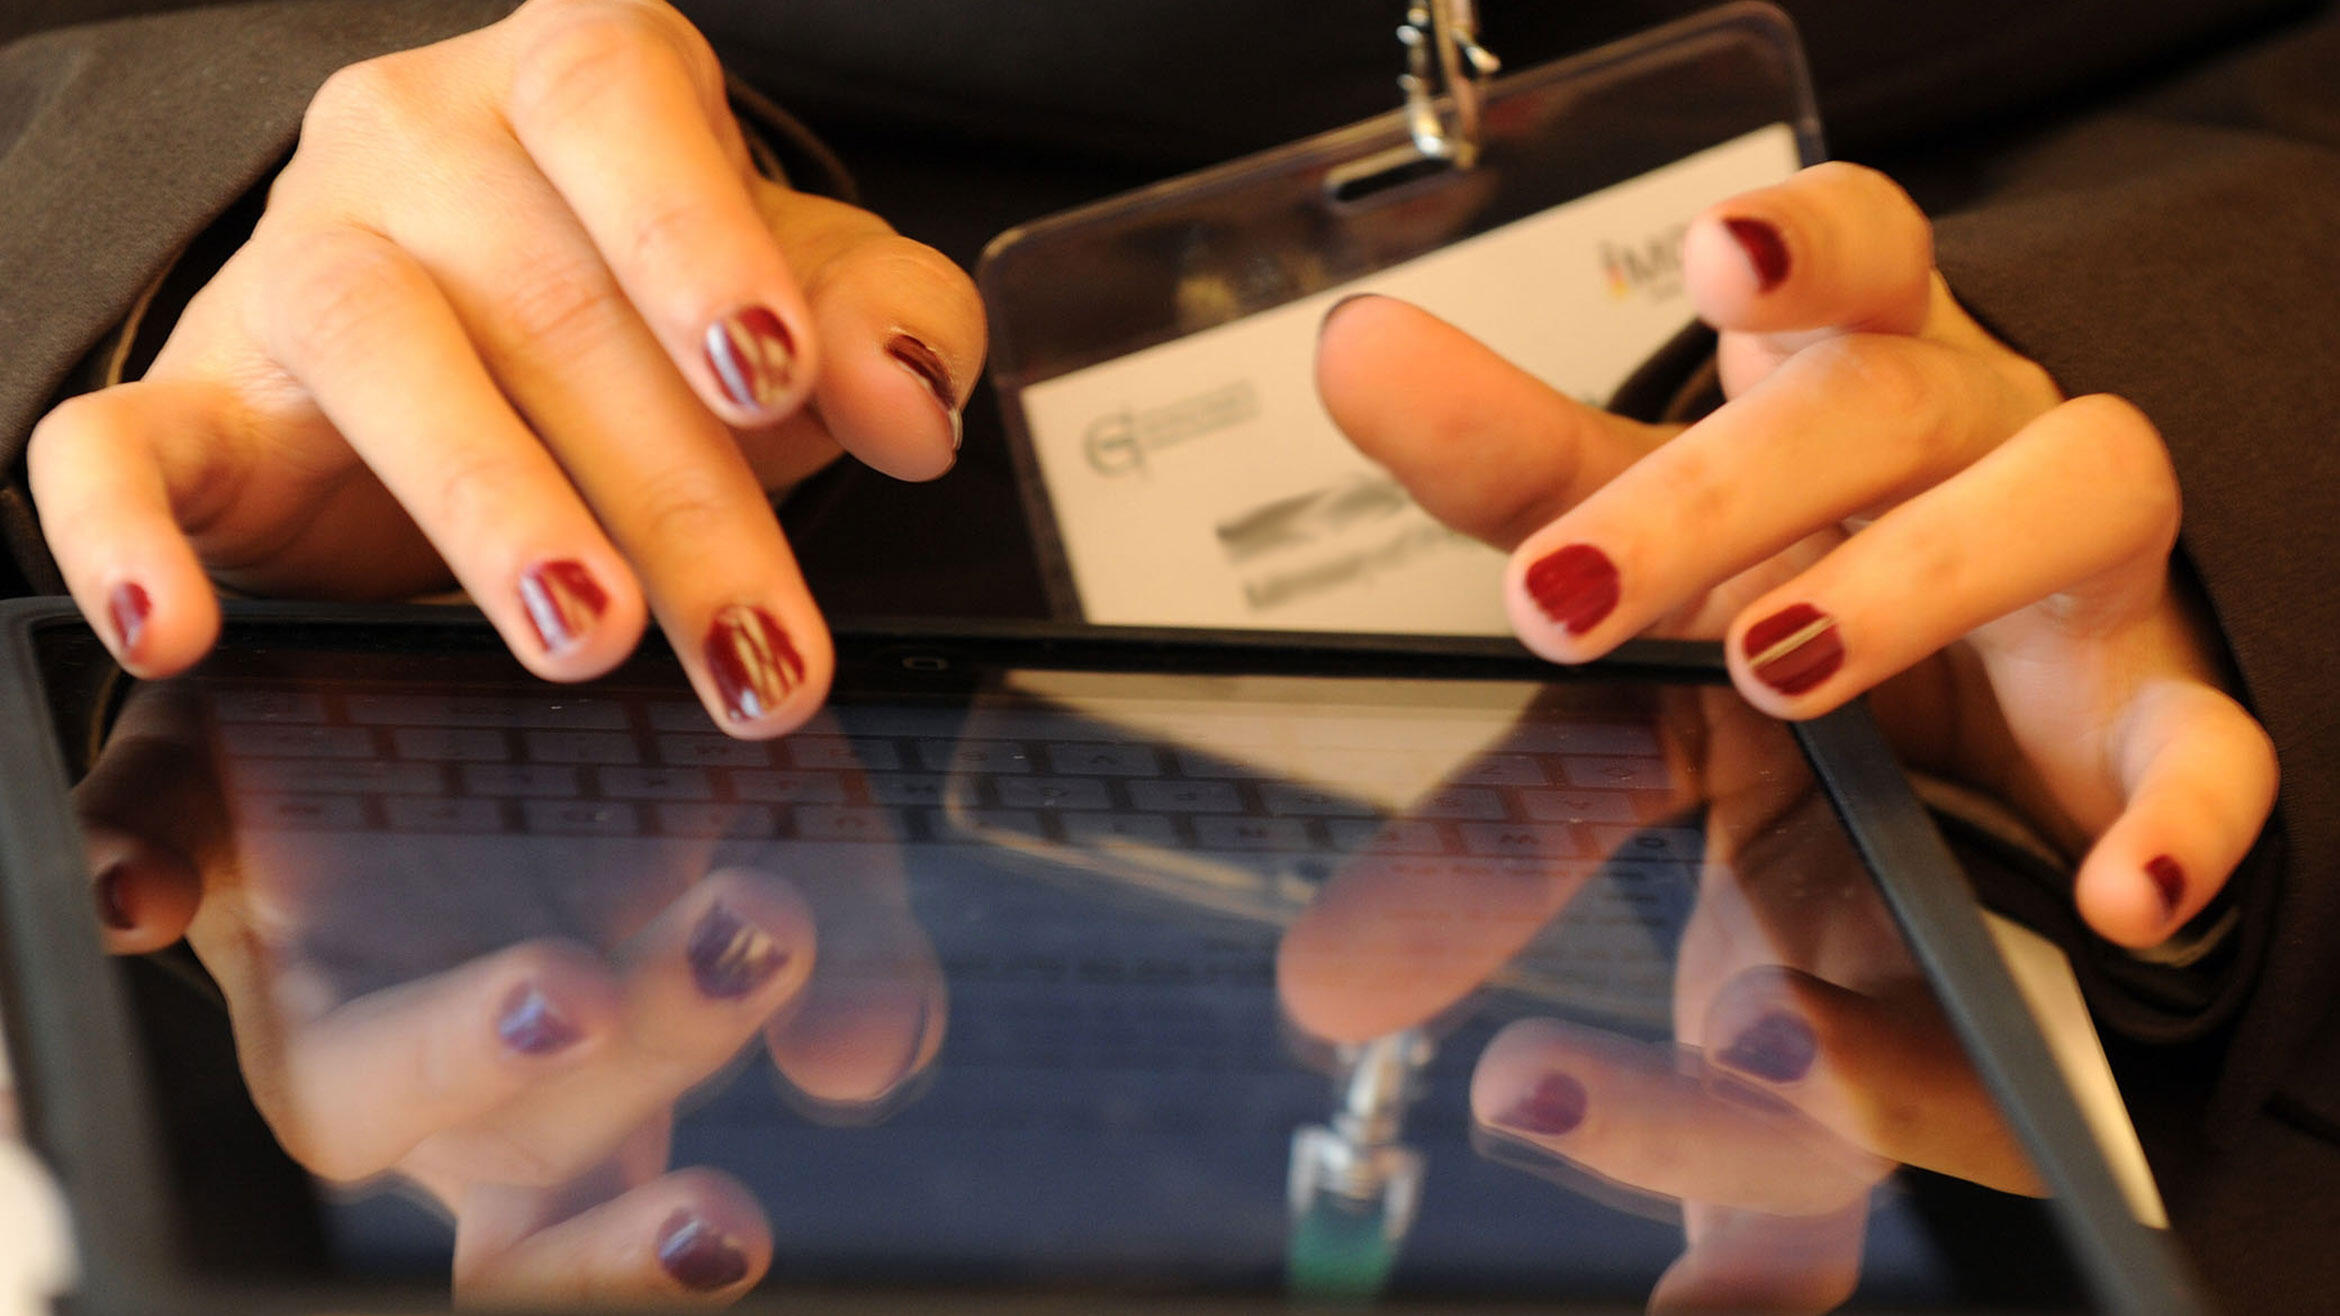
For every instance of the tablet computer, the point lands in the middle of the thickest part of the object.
(1045, 969)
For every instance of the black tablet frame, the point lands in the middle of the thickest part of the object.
(87, 1113)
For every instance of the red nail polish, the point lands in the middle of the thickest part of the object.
(752, 661)
(1766, 251)
(1556, 1105)
(921, 360)
(1575, 586)
(752, 357)
(127, 608)
(532, 1026)
(563, 601)
(1794, 649)
(2169, 882)
(698, 1255)
(1778, 1048)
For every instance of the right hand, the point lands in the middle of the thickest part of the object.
(520, 316)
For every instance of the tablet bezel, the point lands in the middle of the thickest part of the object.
(86, 1112)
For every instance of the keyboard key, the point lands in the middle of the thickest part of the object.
(272, 740)
(754, 821)
(542, 780)
(377, 776)
(1053, 793)
(816, 822)
(1615, 773)
(1578, 806)
(581, 817)
(974, 756)
(1143, 828)
(1545, 839)
(1186, 796)
(1196, 763)
(413, 814)
(440, 710)
(1631, 738)
(452, 744)
(1686, 843)
(712, 751)
(334, 813)
(868, 754)
(1404, 836)
(944, 824)
(656, 783)
(267, 706)
(1473, 802)
(789, 787)
(1105, 759)
(675, 715)
(580, 747)
(1285, 797)
(1212, 832)
(1500, 770)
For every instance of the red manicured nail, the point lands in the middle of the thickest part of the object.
(752, 661)
(1765, 250)
(2169, 882)
(1778, 1048)
(1794, 649)
(531, 1025)
(1575, 586)
(698, 1255)
(563, 601)
(1554, 1106)
(752, 356)
(921, 360)
(127, 608)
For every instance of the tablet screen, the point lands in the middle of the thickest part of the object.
(1011, 976)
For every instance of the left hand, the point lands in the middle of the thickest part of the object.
(1891, 500)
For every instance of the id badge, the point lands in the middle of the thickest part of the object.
(1154, 352)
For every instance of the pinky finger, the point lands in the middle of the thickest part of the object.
(2199, 776)
(101, 479)
(693, 1235)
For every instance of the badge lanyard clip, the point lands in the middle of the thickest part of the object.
(1443, 54)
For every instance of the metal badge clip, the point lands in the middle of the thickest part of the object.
(1443, 55)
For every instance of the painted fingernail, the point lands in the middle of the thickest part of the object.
(921, 360)
(1766, 252)
(112, 908)
(563, 601)
(698, 1255)
(1778, 1048)
(752, 357)
(752, 661)
(531, 1026)
(731, 957)
(1794, 649)
(127, 607)
(1575, 586)
(1554, 1106)
(2169, 882)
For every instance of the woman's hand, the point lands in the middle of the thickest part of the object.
(522, 316)
(1891, 499)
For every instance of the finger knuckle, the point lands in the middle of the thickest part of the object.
(1881, 376)
(557, 307)
(580, 49)
(475, 486)
(684, 506)
(333, 293)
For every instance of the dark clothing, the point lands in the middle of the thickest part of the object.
(2143, 195)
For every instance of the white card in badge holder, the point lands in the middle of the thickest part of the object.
(1155, 352)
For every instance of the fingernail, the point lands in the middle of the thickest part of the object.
(1794, 649)
(1337, 307)
(697, 1255)
(753, 663)
(113, 910)
(1554, 1106)
(563, 601)
(920, 360)
(1778, 1048)
(752, 357)
(127, 607)
(731, 957)
(1576, 586)
(531, 1026)
(1766, 252)
(2169, 882)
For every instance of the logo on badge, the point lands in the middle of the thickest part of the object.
(1650, 267)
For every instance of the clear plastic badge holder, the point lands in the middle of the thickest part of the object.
(1154, 352)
